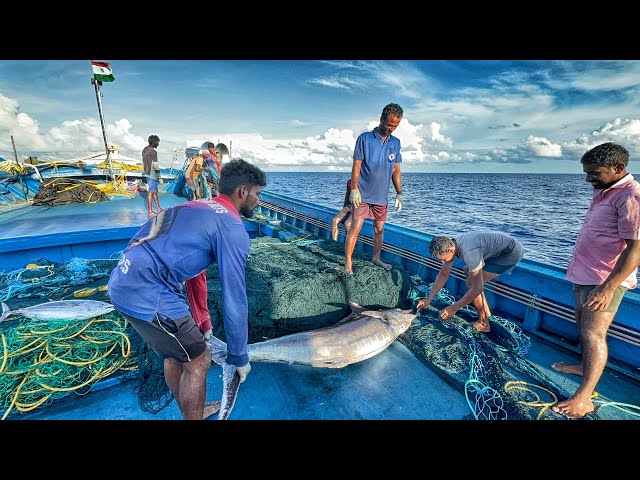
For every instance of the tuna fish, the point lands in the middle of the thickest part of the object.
(230, 376)
(60, 310)
(361, 335)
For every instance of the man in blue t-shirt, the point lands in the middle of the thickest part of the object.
(376, 163)
(177, 244)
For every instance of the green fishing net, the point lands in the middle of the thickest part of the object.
(293, 286)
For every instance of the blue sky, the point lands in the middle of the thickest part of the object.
(304, 115)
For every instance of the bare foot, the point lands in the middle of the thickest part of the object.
(575, 369)
(210, 408)
(380, 263)
(152, 214)
(574, 407)
(481, 327)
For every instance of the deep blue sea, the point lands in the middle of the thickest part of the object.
(543, 211)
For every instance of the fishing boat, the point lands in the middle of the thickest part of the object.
(435, 370)
(533, 320)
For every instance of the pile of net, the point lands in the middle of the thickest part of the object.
(62, 191)
(41, 362)
(490, 368)
(292, 286)
(299, 285)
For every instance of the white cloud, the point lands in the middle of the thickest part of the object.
(541, 147)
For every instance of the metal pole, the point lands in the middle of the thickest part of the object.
(96, 84)
(18, 163)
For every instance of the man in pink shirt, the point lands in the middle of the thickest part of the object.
(603, 266)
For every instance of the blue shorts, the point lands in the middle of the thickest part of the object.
(506, 262)
(152, 185)
(500, 269)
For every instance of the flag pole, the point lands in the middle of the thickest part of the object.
(15, 154)
(96, 84)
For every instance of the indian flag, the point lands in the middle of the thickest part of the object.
(102, 71)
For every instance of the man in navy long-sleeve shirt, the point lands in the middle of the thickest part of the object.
(169, 249)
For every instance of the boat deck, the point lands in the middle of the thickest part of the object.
(78, 229)
(393, 385)
(27, 220)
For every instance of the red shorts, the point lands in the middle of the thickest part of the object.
(375, 212)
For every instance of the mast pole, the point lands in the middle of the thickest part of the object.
(15, 154)
(96, 84)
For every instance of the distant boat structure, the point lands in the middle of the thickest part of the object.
(116, 157)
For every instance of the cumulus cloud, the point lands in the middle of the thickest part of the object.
(625, 132)
(22, 127)
(541, 147)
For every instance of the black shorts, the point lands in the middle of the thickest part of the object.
(179, 338)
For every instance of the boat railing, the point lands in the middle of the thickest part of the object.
(306, 216)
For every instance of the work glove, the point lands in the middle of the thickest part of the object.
(398, 202)
(355, 198)
(244, 371)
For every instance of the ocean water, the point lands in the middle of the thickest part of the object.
(543, 211)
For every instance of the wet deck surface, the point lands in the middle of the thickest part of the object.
(393, 385)
(26, 221)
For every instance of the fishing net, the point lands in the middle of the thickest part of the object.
(62, 191)
(42, 362)
(300, 284)
(490, 368)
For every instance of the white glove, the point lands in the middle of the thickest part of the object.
(207, 334)
(398, 202)
(355, 198)
(244, 371)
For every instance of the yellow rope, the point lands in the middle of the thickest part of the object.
(15, 396)
(5, 353)
(54, 345)
(538, 403)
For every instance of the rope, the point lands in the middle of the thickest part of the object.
(45, 361)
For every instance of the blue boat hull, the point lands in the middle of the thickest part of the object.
(536, 297)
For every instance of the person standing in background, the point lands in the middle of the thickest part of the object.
(376, 163)
(152, 172)
(603, 266)
(193, 172)
(213, 168)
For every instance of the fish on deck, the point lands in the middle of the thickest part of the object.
(360, 335)
(230, 376)
(71, 310)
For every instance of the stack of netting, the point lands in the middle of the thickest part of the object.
(45, 361)
(41, 362)
(300, 285)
